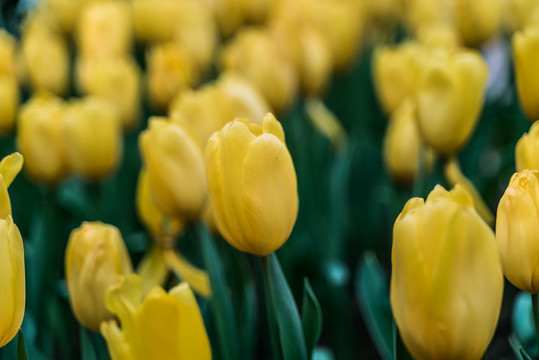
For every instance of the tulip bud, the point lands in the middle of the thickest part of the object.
(96, 258)
(12, 281)
(252, 185)
(105, 28)
(446, 279)
(257, 55)
(515, 230)
(175, 166)
(162, 326)
(450, 98)
(516, 14)
(9, 101)
(156, 20)
(477, 20)
(66, 12)
(525, 53)
(395, 73)
(402, 144)
(93, 134)
(527, 150)
(40, 138)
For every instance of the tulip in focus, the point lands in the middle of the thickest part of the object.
(93, 135)
(162, 326)
(516, 224)
(175, 164)
(450, 96)
(527, 150)
(96, 258)
(252, 185)
(525, 54)
(446, 280)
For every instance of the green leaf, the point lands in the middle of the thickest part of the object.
(373, 296)
(399, 349)
(221, 303)
(284, 310)
(519, 351)
(21, 347)
(88, 351)
(311, 317)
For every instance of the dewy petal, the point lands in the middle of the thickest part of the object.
(10, 166)
(271, 125)
(119, 349)
(194, 340)
(269, 194)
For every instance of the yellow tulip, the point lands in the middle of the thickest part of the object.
(228, 15)
(163, 228)
(525, 53)
(402, 144)
(477, 20)
(450, 97)
(439, 34)
(162, 326)
(156, 20)
(7, 53)
(517, 14)
(423, 12)
(10, 166)
(516, 233)
(96, 258)
(40, 138)
(9, 101)
(446, 280)
(395, 73)
(175, 165)
(252, 185)
(527, 150)
(66, 12)
(12, 280)
(93, 135)
(257, 55)
(105, 28)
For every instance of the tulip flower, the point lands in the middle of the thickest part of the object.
(450, 97)
(162, 326)
(517, 238)
(96, 258)
(527, 150)
(477, 20)
(93, 134)
(40, 138)
(7, 53)
(252, 185)
(9, 101)
(156, 20)
(525, 53)
(175, 165)
(446, 279)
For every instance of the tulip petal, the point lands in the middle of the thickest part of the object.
(119, 349)
(271, 125)
(10, 166)
(5, 202)
(197, 279)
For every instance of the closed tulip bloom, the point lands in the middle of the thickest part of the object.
(156, 20)
(477, 20)
(66, 12)
(252, 185)
(105, 28)
(525, 54)
(527, 149)
(175, 164)
(402, 144)
(12, 281)
(40, 138)
(446, 279)
(395, 73)
(162, 326)
(96, 258)
(9, 101)
(516, 224)
(450, 96)
(93, 135)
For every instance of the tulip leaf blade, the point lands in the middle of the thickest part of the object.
(372, 294)
(284, 309)
(311, 317)
(518, 349)
(21, 347)
(87, 349)
(221, 303)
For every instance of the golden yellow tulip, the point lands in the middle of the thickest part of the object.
(525, 53)
(96, 258)
(477, 20)
(66, 12)
(516, 224)
(403, 142)
(162, 326)
(175, 164)
(9, 101)
(446, 279)
(12, 280)
(395, 73)
(156, 20)
(252, 185)
(527, 150)
(40, 138)
(10, 166)
(450, 95)
(93, 135)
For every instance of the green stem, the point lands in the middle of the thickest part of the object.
(535, 316)
(420, 182)
(269, 309)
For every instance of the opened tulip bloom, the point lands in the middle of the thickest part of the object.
(162, 326)
(446, 280)
(96, 259)
(252, 185)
